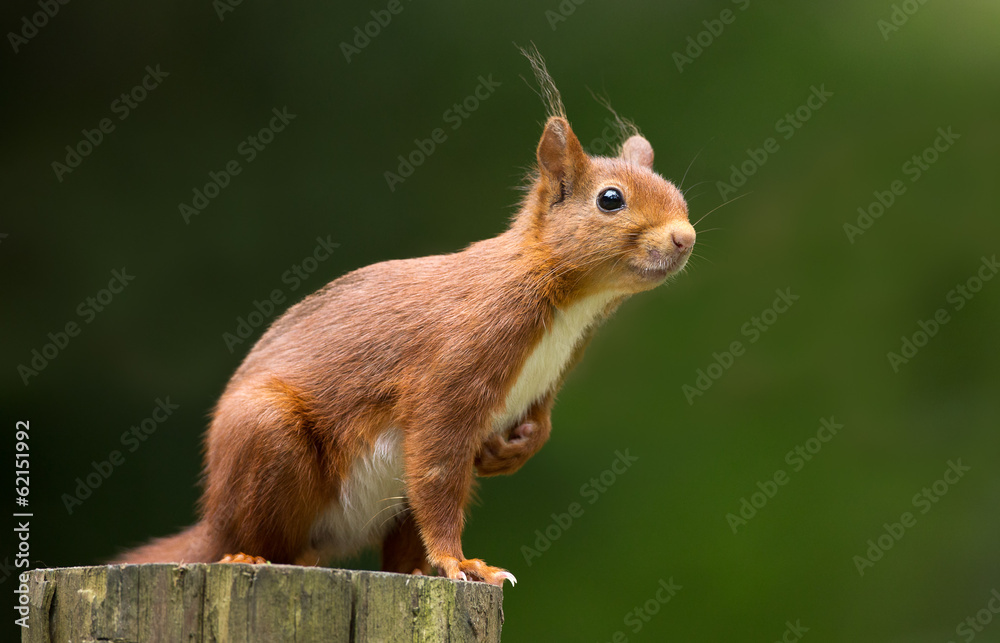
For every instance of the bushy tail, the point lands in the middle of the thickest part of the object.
(193, 545)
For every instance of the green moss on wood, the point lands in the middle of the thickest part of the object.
(256, 603)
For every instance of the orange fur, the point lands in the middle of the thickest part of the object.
(430, 347)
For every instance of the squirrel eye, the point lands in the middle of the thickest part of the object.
(610, 200)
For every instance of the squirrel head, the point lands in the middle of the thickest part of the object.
(606, 223)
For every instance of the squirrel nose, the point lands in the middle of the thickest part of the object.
(683, 236)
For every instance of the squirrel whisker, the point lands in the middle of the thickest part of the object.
(695, 224)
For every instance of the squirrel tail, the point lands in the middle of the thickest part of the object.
(193, 545)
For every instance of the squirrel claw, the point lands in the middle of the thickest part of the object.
(507, 576)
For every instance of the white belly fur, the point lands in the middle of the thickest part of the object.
(371, 497)
(372, 494)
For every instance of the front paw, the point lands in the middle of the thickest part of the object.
(503, 454)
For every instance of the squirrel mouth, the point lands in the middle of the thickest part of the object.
(652, 274)
(659, 270)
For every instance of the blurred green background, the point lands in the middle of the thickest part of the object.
(665, 517)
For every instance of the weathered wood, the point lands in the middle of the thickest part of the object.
(240, 603)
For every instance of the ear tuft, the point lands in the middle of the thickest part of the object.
(638, 151)
(546, 86)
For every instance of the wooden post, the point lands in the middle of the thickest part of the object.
(266, 603)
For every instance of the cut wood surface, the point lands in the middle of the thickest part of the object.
(265, 603)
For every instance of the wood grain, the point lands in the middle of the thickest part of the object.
(248, 603)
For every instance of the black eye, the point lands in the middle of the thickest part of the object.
(610, 200)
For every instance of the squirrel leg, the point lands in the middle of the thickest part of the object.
(403, 551)
(439, 484)
(506, 452)
(265, 484)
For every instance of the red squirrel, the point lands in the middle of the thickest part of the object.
(363, 414)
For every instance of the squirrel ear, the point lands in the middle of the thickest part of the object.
(638, 151)
(560, 156)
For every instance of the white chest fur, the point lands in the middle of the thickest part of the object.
(549, 358)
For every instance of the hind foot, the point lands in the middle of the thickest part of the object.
(474, 569)
(245, 558)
